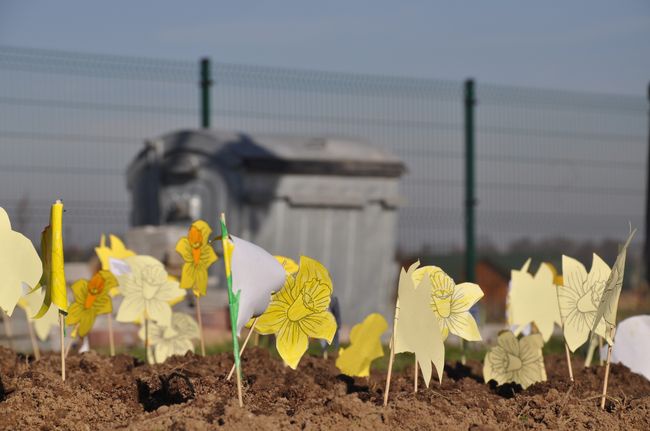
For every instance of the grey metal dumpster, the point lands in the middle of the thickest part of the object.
(331, 199)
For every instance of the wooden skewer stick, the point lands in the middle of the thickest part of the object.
(392, 354)
(600, 349)
(146, 339)
(243, 346)
(200, 321)
(568, 360)
(32, 338)
(463, 354)
(72, 338)
(62, 335)
(111, 339)
(609, 360)
(8, 329)
(415, 379)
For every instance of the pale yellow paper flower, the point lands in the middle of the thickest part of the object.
(513, 360)
(147, 290)
(365, 346)
(451, 303)
(608, 305)
(416, 326)
(534, 299)
(579, 298)
(300, 311)
(176, 339)
(31, 302)
(19, 263)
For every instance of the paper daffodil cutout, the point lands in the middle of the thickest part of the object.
(31, 302)
(579, 298)
(175, 339)
(289, 265)
(147, 290)
(451, 302)
(416, 327)
(608, 305)
(53, 263)
(533, 299)
(91, 298)
(256, 275)
(117, 251)
(299, 311)
(19, 263)
(198, 255)
(517, 361)
(365, 346)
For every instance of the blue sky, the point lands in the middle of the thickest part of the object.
(589, 45)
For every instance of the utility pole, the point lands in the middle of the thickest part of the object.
(205, 84)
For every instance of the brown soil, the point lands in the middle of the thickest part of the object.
(190, 393)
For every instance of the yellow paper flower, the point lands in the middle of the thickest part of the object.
(91, 298)
(198, 255)
(289, 265)
(176, 339)
(107, 255)
(451, 303)
(19, 263)
(299, 311)
(513, 360)
(365, 346)
(146, 290)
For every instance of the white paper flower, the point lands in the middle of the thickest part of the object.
(147, 291)
(176, 339)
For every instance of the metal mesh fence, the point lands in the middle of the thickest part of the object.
(549, 163)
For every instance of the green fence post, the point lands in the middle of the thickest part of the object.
(646, 245)
(470, 198)
(205, 83)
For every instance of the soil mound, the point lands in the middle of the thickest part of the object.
(191, 393)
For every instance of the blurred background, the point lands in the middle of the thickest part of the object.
(513, 131)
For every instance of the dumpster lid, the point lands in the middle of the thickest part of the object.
(286, 153)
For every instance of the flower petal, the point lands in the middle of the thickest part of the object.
(86, 322)
(80, 290)
(208, 256)
(170, 290)
(291, 343)
(273, 318)
(159, 311)
(131, 309)
(201, 282)
(188, 276)
(465, 296)
(184, 248)
(319, 325)
(464, 325)
(310, 271)
(103, 304)
(74, 314)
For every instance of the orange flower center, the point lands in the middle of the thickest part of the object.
(195, 237)
(95, 288)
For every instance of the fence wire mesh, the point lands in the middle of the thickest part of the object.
(551, 165)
